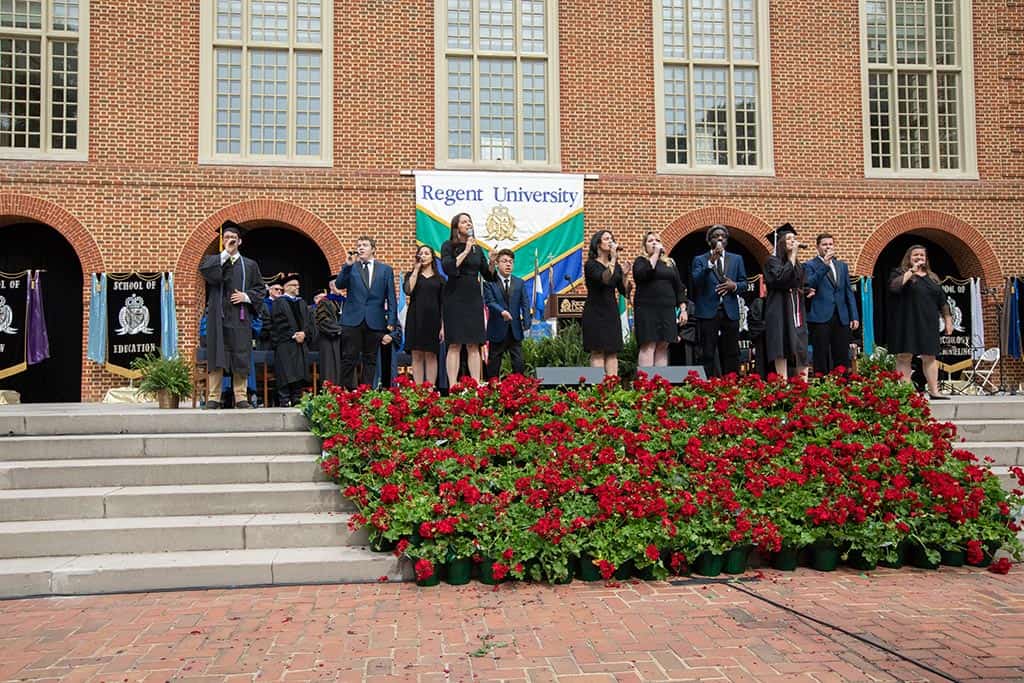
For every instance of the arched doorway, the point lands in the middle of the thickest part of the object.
(942, 263)
(29, 245)
(278, 248)
(683, 253)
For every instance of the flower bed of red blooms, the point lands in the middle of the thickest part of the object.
(532, 481)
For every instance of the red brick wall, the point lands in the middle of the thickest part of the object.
(143, 202)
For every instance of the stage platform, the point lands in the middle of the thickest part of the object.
(106, 498)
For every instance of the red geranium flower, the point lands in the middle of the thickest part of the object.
(424, 569)
(1000, 566)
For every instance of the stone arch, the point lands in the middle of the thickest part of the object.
(745, 228)
(263, 210)
(15, 207)
(971, 251)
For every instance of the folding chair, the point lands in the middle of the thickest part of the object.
(981, 374)
(948, 384)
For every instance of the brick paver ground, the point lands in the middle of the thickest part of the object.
(966, 624)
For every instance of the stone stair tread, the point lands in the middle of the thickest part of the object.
(122, 523)
(169, 490)
(74, 438)
(151, 462)
(122, 572)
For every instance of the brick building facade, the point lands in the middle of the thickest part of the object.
(142, 197)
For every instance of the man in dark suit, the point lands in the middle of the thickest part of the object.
(508, 316)
(718, 276)
(370, 313)
(234, 299)
(832, 307)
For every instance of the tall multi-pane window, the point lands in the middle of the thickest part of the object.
(43, 78)
(917, 90)
(712, 86)
(266, 81)
(497, 83)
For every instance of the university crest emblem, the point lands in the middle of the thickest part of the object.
(134, 317)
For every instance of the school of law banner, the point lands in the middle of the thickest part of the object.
(539, 216)
(133, 325)
(958, 346)
(13, 323)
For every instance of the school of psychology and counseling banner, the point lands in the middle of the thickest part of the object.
(539, 216)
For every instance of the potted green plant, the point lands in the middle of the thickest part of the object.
(167, 379)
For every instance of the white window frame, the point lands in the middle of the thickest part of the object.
(968, 141)
(46, 34)
(207, 96)
(441, 52)
(766, 148)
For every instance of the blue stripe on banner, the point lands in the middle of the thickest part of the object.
(558, 275)
(867, 314)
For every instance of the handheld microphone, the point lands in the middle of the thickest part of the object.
(470, 233)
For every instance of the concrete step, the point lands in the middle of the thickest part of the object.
(93, 418)
(16, 448)
(1004, 453)
(1006, 478)
(177, 500)
(116, 573)
(246, 469)
(990, 430)
(170, 534)
(979, 408)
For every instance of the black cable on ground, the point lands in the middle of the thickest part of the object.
(910, 660)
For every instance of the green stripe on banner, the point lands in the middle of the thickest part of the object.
(556, 243)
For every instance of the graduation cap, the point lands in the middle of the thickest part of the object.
(274, 280)
(779, 233)
(229, 226)
(285, 279)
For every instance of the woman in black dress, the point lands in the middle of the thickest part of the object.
(602, 329)
(659, 291)
(918, 301)
(463, 303)
(785, 315)
(423, 331)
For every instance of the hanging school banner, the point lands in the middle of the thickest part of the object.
(14, 288)
(539, 216)
(133, 324)
(958, 346)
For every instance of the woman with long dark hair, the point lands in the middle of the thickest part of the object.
(602, 329)
(785, 315)
(659, 291)
(463, 304)
(423, 330)
(919, 302)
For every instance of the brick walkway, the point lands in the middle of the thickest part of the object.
(968, 624)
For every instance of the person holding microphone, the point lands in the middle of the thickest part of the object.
(370, 313)
(602, 329)
(718, 276)
(464, 264)
(785, 314)
(832, 307)
(423, 331)
(918, 301)
(659, 292)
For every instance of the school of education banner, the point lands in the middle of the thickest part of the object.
(133, 320)
(13, 323)
(539, 216)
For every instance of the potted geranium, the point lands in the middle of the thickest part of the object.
(169, 380)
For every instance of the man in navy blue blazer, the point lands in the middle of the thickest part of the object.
(508, 316)
(718, 276)
(832, 307)
(370, 312)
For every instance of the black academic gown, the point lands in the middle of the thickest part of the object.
(287, 317)
(785, 315)
(328, 327)
(228, 325)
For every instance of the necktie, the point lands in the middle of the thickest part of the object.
(832, 267)
(366, 274)
(506, 289)
(720, 267)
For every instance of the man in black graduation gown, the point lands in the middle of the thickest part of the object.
(234, 296)
(291, 330)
